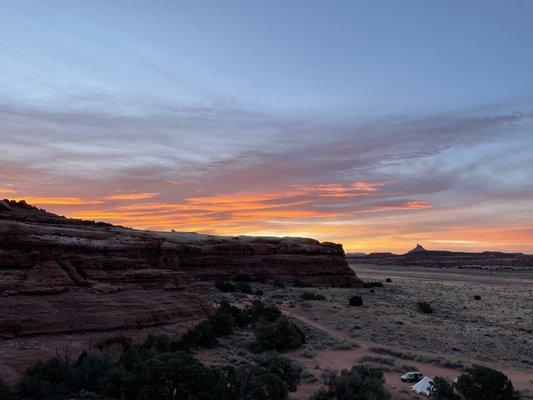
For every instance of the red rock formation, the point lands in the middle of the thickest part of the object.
(61, 275)
(63, 281)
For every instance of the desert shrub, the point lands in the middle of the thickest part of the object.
(222, 324)
(312, 296)
(301, 284)
(5, 391)
(258, 311)
(356, 301)
(58, 378)
(373, 284)
(285, 369)
(442, 389)
(253, 382)
(424, 308)
(477, 297)
(234, 312)
(388, 280)
(278, 283)
(178, 375)
(88, 373)
(280, 335)
(307, 353)
(45, 380)
(202, 335)
(361, 382)
(483, 383)
(259, 292)
(120, 383)
(225, 286)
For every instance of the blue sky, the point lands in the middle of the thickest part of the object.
(342, 56)
(362, 122)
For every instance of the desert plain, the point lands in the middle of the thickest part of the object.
(388, 331)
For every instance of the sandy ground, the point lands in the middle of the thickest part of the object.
(495, 331)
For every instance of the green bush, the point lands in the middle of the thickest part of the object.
(312, 296)
(360, 383)
(442, 389)
(222, 324)
(120, 383)
(483, 383)
(88, 373)
(162, 368)
(424, 308)
(202, 335)
(170, 376)
(281, 335)
(253, 383)
(356, 301)
(284, 369)
(258, 311)
(236, 313)
(45, 380)
(58, 378)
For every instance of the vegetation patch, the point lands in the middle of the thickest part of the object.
(312, 296)
(164, 368)
(424, 308)
(361, 382)
(475, 383)
(356, 301)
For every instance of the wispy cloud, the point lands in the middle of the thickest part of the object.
(374, 185)
(131, 196)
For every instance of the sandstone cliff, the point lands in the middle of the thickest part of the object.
(60, 275)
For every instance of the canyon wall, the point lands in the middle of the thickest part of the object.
(60, 275)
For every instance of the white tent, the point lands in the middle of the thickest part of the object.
(423, 386)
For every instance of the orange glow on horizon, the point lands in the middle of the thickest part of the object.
(317, 211)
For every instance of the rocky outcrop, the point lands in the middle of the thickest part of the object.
(60, 275)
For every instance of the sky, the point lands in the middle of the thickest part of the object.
(375, 124)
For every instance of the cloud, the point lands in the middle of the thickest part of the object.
(130, 196)
(59, 201)
(379, 183)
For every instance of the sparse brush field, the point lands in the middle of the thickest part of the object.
(268, 341)
(437, 321)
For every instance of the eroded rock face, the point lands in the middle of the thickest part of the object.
(59, 275)
(65, 283)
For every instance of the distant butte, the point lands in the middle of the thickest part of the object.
(418, 249)
(419, 256)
